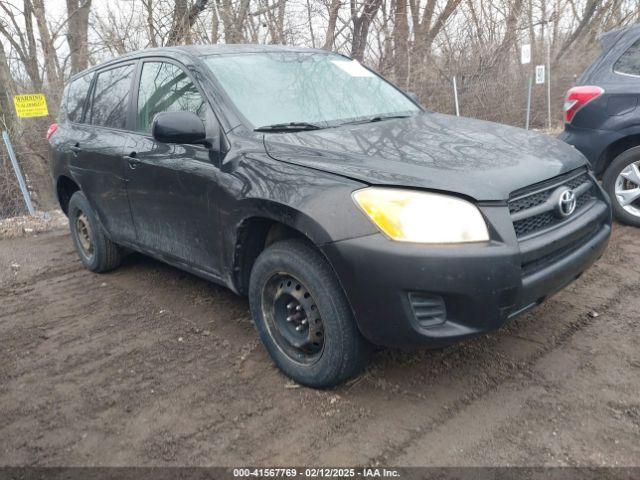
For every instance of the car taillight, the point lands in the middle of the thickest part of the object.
(52, 129)
(578, 97)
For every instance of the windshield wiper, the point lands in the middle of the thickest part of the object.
(288, 127)
(376, 118)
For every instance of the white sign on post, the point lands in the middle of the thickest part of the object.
(540, 74)
(525, 54)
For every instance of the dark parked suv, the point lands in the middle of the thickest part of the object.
(602, 120)
(347, 213)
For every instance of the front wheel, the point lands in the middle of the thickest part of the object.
(622, 182)
(302, 316)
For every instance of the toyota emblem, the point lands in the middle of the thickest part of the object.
(567, 202)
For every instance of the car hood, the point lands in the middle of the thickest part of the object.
(482, 160)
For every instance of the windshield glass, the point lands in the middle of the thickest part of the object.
(318, 88)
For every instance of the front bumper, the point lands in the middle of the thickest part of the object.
(481, 285)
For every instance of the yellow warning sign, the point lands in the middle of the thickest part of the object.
(31, 105)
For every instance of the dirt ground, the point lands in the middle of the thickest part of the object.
(148, 365)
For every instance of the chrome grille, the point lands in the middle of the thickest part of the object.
(534, 209)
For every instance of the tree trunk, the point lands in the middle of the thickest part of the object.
(50, 59)
(510, 36)
(361, 24)
(334, 10)
(281, 12)
(148, 5)
(31, 61)
(179, 27)
(233, 23)
(401, 44)
(7, 90)
(183, 20)
(77, 33)
(589, 10)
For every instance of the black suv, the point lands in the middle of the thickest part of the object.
(347, 213)
(603, 122)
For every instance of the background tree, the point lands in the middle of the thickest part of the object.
(77, 33)
(419, 44)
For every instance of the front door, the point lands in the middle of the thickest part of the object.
(172, 188)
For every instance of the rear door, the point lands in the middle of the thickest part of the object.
(172, 188)
(97, 147)
(623, 86)
(71, 117)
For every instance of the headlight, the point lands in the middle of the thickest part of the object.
(422, 217)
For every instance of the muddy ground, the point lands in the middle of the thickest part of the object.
(152, 366)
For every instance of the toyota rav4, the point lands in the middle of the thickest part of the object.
(347, 213)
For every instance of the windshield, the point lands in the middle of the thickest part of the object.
(317, 88)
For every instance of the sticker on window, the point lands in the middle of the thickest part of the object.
(352, 67)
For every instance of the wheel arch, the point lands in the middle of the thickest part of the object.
(255, 234)
(260, 228)
(616, 148)
(65, 188)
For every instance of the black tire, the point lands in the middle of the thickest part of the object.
(609, 183)
(102, 254)
(344, 351)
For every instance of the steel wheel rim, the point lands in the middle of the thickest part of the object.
(293, 319)
(627, 189)
(83, 231)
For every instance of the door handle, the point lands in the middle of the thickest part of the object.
(132, 160)
(75, 148)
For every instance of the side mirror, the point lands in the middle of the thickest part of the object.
(178, 127)
(413, 97)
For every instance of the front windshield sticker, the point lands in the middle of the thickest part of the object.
(353, 68)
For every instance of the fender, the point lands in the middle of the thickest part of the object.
(620, 141)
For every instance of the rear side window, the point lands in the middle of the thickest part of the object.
(76, 95)
(111, 97)
(629, 62)
(165, 87)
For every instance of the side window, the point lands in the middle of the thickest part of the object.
(111, 97)
(629, 62)
(165, 87)
(76, 95)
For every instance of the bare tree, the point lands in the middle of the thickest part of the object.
(401, 43)
(6, 91)
(334, 10)
(51, 64)
(148, 6)
(234, 19)
(22, 40)
(587, 15)
(77, 33)
(361, 19)
(183, 19)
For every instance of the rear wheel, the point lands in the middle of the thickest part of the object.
(97, 253)
(303, 317)
(622, 183)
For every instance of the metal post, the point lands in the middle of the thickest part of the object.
(455, 96)
(549, 77)
(529, 103)
(16, 168)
